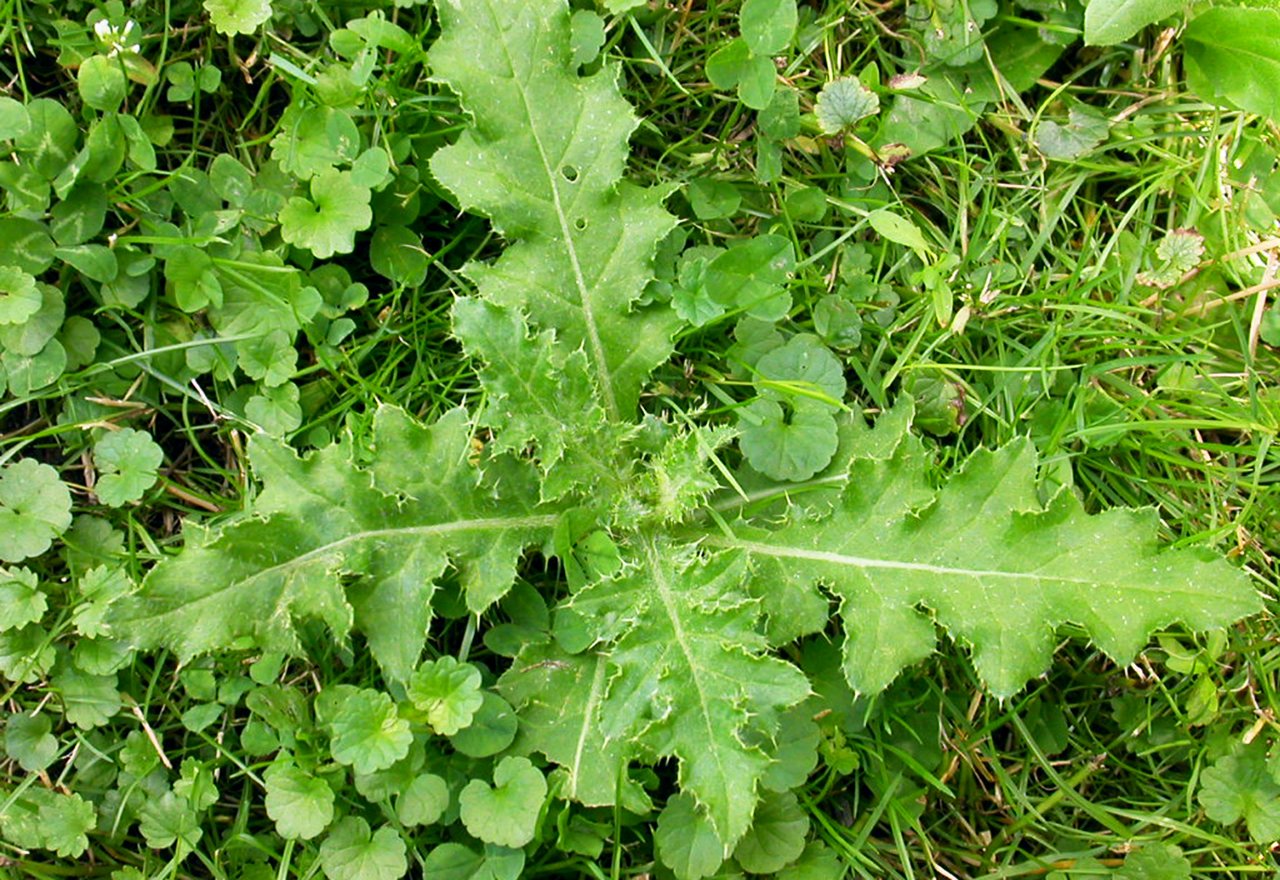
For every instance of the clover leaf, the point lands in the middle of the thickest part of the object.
(326, 224)
(21, 601)
(300, 804)
(1242, 786)
(368, 734)
(507, 813)
(350, 852)
(448, 692)
(233, 17)
(127, 461)
(102, 82)
(19, 296)
(35, 508)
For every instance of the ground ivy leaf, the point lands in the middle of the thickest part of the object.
(127, 461)
(818, 862)
(843, 103)
(587, 36)
(326, 224)
(803, 369)
(368, 733)
(19, 296)
(233, 17)
(547, 172)
(300, 804)
(1240, 786)
(314, 139)
(351, 853)
(453, 861)
(1084, 130)
(307, 547)
(448, 692)
(990, 542)
(786, 446)
(28, 741)
(169, 820)
(490, 731)
(35, 508)
(686, 841)
(1155, 861)
(64, 822)
(505, 814)
(21, 600)
(776, 837)
(424, 801)
(691, 674)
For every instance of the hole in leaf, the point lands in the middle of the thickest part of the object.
(569, 173)
(580, 224)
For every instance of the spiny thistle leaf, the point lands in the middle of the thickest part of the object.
(996, 567)
(544, 161)
(321, 521)
(692, 677)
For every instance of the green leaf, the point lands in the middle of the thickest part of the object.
(314, 139)
(547, 172)
(351, 853)
(128, 461)
(397, 253)
(752, 274)
(102, 82)
(1233, 55)
(14, 120)
(1107, 22)
(894, 547)
(1085, 129)
(1155, 861)
(233, 17)
(786, 445)
(35, 508)
(448, 692)
(776, 837)
(900, 230)
(1241, 786)
(424, 801)
(490, 731)
(690, 674)
(300, 804)
(329, 539)
(19, 296)
(507, 813)
(767, 25)
(327, 223)
(453, 861)
(587, 36)
(368, 734)
(169, 820)
(844, 102)
(686, 840)
(818, 862)
(43, 819)
(21, 600)
(28, 741)
(559, 696)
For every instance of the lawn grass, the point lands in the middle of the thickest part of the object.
(1134, 396)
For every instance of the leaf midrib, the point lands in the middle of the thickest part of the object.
(580, 282)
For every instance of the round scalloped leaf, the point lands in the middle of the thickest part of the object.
(1241, 786)
(326, 224)
(233, 17)
(28, 741)
(787, 448)
(300, 804)
(128, 461)
(505, 814)
(19, 296)
(490, 731)
(776, 837)
(802, 370)
(843, 102)
(351, 853)
(423, 801)
(686, 840)
(448, 692)
(368, 734)
(35, 507)
(21, 601)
